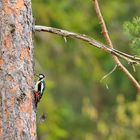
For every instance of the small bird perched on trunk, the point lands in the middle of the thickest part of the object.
(39, 88)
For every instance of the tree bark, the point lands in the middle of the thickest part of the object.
(17, 110)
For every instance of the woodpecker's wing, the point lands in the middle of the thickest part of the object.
(41, 87)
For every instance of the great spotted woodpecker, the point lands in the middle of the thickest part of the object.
(39, 88)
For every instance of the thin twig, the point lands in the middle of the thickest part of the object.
(131, 59)
(109, 42)
(105, 76)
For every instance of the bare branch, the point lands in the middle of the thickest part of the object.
(131, 59)
(115, 53)
(109, 42)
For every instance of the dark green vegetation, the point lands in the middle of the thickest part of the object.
(78, 106)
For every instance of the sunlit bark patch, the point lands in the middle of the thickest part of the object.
(8, 41)
(1, 62)
(24, 53)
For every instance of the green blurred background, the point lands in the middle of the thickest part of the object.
(77, 104)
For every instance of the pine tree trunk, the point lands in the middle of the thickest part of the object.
(17, 111)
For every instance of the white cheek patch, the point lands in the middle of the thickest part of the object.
(41, 76)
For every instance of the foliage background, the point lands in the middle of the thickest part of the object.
(77, 104)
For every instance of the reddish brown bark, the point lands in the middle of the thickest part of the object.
(17, 111)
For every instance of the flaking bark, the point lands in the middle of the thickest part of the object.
(17, 111)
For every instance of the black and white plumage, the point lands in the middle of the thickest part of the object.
(39, 88)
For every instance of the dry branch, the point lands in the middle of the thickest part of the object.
(109, 49)
(109, 42)
(131, 59)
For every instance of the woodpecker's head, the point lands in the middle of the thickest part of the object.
(41, 76)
